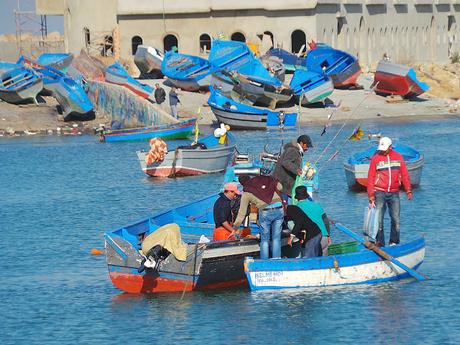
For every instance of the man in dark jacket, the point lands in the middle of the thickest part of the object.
(289, 165)
(173, 101)
(160, 95)
(223, 213)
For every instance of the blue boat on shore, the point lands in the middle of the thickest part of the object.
(311, 87)
(20, 84)
(187, 72)
(291, 61)
(357, 265)
(117, 74)
(180, 130)
(357, 166)
(242, 116)
(342, 67)
(59, 61)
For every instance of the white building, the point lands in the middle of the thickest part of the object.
(406, 30)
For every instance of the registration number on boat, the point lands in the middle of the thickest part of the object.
(267, 277)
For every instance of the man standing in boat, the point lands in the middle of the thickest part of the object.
(289, 164)
(173, 101)
(160, 95)
(265, 193)
(387, 170)
(223, 213)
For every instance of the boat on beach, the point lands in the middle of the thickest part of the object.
(207, 265)
(342, 67)
(205, 157)
(59, 61)
(242, 116)
(187, 72)
(19, 85)
(394, 79)
(180, 130)
(357, 166)
(148, 60)
(358, 265)
(310, 87)
(291, 61)
(117, 74)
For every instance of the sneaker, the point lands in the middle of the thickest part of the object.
(393, 244)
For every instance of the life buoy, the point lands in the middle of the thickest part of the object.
(158, 151)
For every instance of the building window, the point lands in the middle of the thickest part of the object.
(298, 41)
(170, 43)
(87, 37)
(107, 46)
(205, 43)
(268, 33)
(135, 41)
(238, 36)
(340, 24)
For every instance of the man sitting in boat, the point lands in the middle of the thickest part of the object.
(265, 193)
(310, 224)
(223, 213)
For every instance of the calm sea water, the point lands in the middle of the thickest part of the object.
(58, 195)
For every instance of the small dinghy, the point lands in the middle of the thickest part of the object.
(19, 85)
(310, 86)
(117, 74)
(394, 79)
(207, 156)
(187, 72)
(241, 116)
(342, 67)
(180, 130)
(148, 60)
(59, 61)
(346, 264)
(357, 166)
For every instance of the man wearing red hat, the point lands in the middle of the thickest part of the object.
(223, 213)
(387, 170)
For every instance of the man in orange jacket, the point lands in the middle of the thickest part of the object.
(387, 170)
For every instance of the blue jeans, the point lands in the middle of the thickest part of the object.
(270, 223)
(390, 199)
(312, 247)
(174, 111)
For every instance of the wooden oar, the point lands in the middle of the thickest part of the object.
(380, 252)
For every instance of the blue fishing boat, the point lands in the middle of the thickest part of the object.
(291, 61)
(310, 87)
(207, 156)
(20, 84)
(117, 74)
(358, 264)
(187, 72)
(191, 264)
(74, 103)
(180, 130)
(59, 61)
(5, 66)
(342, 67)
(241, 116)
(394, 79)
(237, 70)
(148, 60)
(357, 166)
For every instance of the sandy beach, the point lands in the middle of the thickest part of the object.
(345, 105)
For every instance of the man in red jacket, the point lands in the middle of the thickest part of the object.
(387, 170)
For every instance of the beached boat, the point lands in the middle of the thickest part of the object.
(211, 265)
(342, 67)
(148, 60)
(75, 104)
(117, 74)
(20, 85)
(358, 265)
(310, 86)
(237, 70)
(180, 130)
(5, 66)
(241, 116)
(206, 157)
(59, 61)
(291, 61)
(187, 72)
(395, 79)
(357, 166)
(275, 66)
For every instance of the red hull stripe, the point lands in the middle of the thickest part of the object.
(135, 283)
(352, 80)
(167, 171)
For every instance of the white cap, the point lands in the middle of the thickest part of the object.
(384, 144)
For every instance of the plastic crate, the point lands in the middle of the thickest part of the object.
(343, 248)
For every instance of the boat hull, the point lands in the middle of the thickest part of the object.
(23, 94)
(348, 77)
(186, 162)
(180, 130)
(363, 267)
(148, 59)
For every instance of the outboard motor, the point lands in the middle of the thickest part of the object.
(153, 258)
